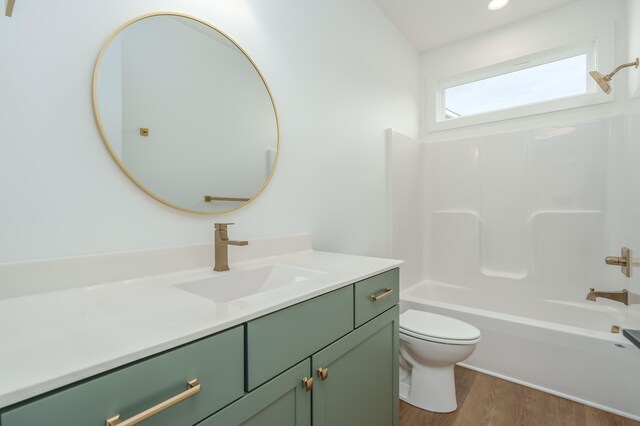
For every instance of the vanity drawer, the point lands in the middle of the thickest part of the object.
(279, 340)
(375, 295)
(217, 363)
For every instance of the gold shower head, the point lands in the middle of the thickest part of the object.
(603, 80)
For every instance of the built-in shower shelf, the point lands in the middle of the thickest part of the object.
(512, 275)
(562, 212)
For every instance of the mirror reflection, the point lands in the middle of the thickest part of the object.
(186, 113)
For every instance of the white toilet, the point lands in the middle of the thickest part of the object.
(430, 345)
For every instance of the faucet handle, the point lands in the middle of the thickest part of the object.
(222, 226)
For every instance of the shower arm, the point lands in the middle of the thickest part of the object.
(636, 63)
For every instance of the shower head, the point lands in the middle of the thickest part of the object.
(603, 80)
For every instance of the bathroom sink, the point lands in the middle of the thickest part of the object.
(228, 286)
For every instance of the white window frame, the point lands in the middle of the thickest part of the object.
(593, 96)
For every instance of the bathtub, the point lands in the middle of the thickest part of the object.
(562, 347)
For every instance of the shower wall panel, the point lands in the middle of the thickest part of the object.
(527, 207)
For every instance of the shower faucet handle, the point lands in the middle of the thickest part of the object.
(625, 261)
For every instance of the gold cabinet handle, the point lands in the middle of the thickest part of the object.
(193, 387)
(385, 293)
(323, 373)
(307, 383)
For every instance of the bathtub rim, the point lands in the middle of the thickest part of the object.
(615, 339)
(608, 336)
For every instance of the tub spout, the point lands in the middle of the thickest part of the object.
(618, 296)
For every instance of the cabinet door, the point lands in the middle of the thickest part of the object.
(281, 339)
(361, 382)
(283, 401)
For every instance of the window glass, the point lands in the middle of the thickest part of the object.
(553, 80)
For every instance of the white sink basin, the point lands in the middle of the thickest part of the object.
(233, 285)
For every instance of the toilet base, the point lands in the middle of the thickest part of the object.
(430, 388)
(405, 382)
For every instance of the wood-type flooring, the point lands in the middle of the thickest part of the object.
(489, 401)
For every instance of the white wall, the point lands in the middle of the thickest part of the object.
(340, 73)
(536, 202)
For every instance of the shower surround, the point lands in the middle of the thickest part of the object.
(512, 232)
(540, 208)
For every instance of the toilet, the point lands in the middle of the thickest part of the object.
(430, 345)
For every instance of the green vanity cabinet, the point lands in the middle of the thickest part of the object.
(283, 401)
(216, 361)
(354, 370)
(359, 387)
(356, 380)
(328, 361)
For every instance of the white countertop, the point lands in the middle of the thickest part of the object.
(52, 339)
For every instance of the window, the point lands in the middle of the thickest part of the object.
(542, 82)
(552, 80)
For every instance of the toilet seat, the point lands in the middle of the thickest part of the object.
(437, 328)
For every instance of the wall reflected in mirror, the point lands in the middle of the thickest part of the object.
(186, 113)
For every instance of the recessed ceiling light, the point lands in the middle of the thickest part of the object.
(497, 4)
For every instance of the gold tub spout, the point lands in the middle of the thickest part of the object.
(618, 296)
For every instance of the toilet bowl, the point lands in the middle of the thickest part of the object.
(430, 345)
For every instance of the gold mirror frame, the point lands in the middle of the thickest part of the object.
(114, 154)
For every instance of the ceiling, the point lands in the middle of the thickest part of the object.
(429, 24)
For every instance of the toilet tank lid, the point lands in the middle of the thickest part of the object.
(439, 326)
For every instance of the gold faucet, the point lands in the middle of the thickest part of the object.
(619, 296)
(221, 246)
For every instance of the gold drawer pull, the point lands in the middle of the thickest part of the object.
(385, 293)
(307, 383)
(193, 387)
(323, 373)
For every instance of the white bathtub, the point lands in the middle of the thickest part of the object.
(564, 348)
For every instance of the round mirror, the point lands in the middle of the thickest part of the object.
(186, 113)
